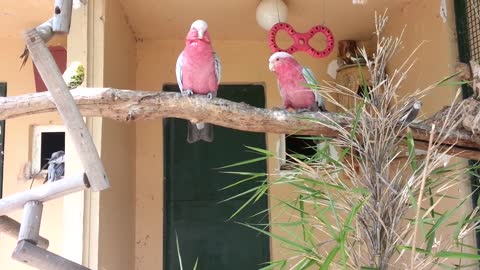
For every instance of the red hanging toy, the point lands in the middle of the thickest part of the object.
(301, 40)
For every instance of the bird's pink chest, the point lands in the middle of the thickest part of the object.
(293, 89)
(198, 71)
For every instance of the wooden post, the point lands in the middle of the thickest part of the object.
(11, 227)
(62, 16)
(68, 110)
(39, 258)
(32, 218)
(43, 193)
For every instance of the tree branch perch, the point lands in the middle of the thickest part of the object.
(127, 106)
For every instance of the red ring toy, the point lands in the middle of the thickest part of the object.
(301, 40)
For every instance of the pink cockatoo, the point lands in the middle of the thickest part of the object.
(198, 72)
(293, 80)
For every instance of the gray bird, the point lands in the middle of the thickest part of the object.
(45, 31)
(411, 112)
(56, 167)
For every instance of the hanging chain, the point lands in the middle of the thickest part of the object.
(278, 12)
(323, 15)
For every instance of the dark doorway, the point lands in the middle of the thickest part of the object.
(51, 143)
(192, 194)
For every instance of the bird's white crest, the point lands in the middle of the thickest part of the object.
(274, 57)
(201, 26)
(279, 55)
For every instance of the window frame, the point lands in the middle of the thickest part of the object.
(36, 147)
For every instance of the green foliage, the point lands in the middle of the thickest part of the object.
(372, 205)
(180, 262)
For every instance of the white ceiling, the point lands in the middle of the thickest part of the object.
(227, 19)
(235, 19)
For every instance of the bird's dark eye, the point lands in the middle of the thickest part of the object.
(277, 59)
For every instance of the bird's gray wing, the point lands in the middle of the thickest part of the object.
(178, 71)
(51, 172)
(59, 170)
(308, 75)
(311, 80)
(410, 114)
(218, 67)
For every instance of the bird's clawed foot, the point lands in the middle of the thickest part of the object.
(209, 95)
(187, 93)
(302, 110)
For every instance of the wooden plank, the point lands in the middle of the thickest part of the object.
(68, 110)
(62, 16)
(32, 218)
(11, 227)
(39, 258)
(44, 193)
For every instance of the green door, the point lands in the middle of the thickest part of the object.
(3, 93)
(193, 191)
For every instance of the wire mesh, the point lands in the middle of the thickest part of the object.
(473, 24)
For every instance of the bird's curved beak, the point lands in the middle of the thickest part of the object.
(271, 66)
(201, 33)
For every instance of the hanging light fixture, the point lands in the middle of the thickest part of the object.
(270, 12)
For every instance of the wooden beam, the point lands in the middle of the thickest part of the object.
(69, 112)
(62, 16)
(44, 193)
(39, 258)
(11, 227)
(32, 218)
(127, 106)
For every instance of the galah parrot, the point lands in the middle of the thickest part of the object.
(293, 80)
(198, 72)
(411, 112)
(56, 167)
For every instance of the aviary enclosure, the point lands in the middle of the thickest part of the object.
(372, 205)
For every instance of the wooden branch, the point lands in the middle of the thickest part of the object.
(62, 16)
(44, 193)
(32, 218)
(11, 227)
(39, 258)
(127, 105)
(69, 112)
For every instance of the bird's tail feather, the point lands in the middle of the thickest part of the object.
(322, 108)
(199, 131)
(318, 108)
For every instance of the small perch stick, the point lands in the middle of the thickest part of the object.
(32, 218)
(69, 112)
(11, 227)
(39, 258)
(43, 193)
(62, 16)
